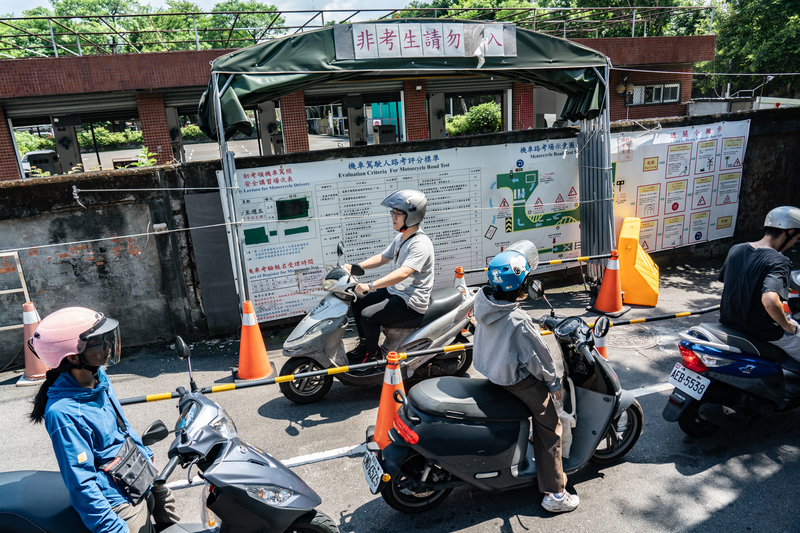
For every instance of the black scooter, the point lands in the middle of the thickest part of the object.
(248, 491)
(452, 432)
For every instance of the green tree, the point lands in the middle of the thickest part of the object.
(252, 28)
(756, 36)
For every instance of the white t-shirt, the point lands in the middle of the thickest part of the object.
(417, 254)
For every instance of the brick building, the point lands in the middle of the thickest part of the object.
(154, 85)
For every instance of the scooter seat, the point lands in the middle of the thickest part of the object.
(442, 301)
(734, 337)
(21, 513)
(467, 399)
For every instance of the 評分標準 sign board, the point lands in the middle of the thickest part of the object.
(480, 200)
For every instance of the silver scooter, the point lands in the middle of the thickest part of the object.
(316, 342)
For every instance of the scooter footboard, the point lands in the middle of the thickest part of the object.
(594, 412)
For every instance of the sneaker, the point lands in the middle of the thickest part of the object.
(362, 355)
(562, 502)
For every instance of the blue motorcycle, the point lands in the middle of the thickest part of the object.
(726, 377)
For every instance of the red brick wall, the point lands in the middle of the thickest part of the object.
(9, 170)
(293, 122)
(620, 112)
(117, 72)
(153, 117)
(627, 51)
(416, 110)
(521, 106)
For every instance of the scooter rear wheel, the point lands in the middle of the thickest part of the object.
(307, 390)
(405, 499)
(465, 361)
(693, 424)
(621, 436)
(313, 522)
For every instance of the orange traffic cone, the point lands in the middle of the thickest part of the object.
(35, 369)
(253, 359)
(600, 346)
(392, 381)
(609, 298)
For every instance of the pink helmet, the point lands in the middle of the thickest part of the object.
(68, 331)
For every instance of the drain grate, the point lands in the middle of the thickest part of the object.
(631, 338)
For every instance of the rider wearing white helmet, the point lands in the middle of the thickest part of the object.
(404, 293)
(510, 352)
(756, 281)
(79, 408)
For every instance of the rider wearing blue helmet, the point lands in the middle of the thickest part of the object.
(510, 352)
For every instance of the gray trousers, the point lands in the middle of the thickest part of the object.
(546, 433)
(160, 504)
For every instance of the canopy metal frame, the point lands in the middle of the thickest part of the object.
(594, 164)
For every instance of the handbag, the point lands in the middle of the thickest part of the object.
(131, 470)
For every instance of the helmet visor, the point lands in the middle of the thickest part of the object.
(528, 249)
(102, 343)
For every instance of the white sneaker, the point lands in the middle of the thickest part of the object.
(560, 503)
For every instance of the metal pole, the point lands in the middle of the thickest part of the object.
(633, 25)
(228, 172)
(196, 38)
(96, 151)
(52, 37)
(711, 25)
(78, 40)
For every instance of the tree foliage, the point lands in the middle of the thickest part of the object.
(483, 118)
(756, 36)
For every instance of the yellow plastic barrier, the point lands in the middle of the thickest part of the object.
(637, 271)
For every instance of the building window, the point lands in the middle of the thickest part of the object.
(661, 93)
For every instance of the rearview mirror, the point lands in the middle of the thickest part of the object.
(601, 327)
(155, 432)
(534, 289)
(356, 270)
(182, 349)
(340, 249)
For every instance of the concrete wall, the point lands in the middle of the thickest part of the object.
(151, 282)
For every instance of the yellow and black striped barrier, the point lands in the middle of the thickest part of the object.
(291, 377)
(373, 364)
(553, 262)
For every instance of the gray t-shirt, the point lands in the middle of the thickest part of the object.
(416, 253)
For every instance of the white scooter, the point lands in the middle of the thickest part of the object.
(316, 342)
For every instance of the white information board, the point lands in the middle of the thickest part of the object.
(683, 183)
(480, 199)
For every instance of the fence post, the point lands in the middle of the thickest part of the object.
(196, 38)
(52, 37)
(633, 25)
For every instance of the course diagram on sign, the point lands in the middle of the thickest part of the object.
(529, 211)
(698, 227)
(728, 188)
(676, 197)
(672, 235)
(732, 153)
(701, 193)
(706, 160)
(647, 200)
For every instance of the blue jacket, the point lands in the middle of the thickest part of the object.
(83, 427)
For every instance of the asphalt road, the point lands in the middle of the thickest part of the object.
(209, 150)
(736, 480)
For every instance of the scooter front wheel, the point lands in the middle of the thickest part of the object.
(313, 522)
(306, 390)
(621, 436)
(404, 492)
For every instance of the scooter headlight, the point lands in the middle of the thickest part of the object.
(224, 426)
(269, 494)
(328, 284)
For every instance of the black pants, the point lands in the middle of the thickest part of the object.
(378, 308)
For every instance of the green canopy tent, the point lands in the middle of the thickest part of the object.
(278, 67)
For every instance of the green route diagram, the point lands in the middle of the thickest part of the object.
(522, 185)
(558, 248)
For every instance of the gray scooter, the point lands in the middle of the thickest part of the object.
(248, 490)
(316, 342)
(453, 432)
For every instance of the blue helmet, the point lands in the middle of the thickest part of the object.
(507, 270)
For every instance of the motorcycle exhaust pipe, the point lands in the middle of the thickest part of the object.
(722, 415)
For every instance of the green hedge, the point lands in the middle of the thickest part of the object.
(106, 140)
(483, 118)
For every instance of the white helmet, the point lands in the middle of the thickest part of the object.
(784, 217)
(410, 202)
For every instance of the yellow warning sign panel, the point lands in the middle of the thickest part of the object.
(637, 271)
(509, 225)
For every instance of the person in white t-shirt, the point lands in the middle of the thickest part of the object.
(404, 293)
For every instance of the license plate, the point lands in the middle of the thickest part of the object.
(689, 382)
(373, 471)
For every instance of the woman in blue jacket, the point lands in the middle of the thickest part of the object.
(79, 407)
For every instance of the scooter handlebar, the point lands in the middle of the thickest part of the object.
(586, 352)
(164, 475)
